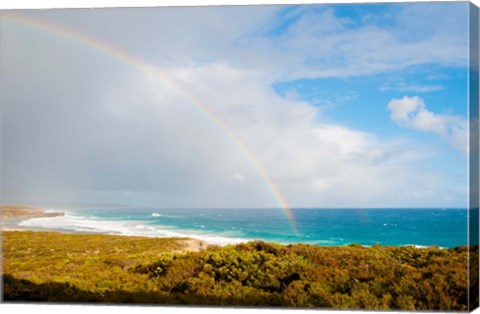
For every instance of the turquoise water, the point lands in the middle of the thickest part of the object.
(421, 227)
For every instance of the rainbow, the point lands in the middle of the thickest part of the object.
(136, 62)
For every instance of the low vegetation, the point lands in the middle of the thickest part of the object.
(14, 211)
(41, 266)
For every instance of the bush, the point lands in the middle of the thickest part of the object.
(92, 268)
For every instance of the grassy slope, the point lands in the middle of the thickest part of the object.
(58, 267)
(89, 262)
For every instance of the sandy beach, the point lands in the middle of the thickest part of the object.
(10, 212)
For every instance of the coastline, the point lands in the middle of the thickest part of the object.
(16, 218)
(19, 212)
(70, 221)
(88, 267)
(9, 214)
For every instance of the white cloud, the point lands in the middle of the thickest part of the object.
(402, 108)
(312, 163)
(345, 48)
(420, 88)
(243, 36)
(405, 87)
(411, 112)
(143, 144)
(237, 177)
(102, 131)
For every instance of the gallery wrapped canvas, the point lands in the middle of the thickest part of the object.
(293, 156)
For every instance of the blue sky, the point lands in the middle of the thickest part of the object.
(326, 105)
(359, 101)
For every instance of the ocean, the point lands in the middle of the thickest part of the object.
(327, 227)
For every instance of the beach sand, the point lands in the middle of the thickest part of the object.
(10, 212)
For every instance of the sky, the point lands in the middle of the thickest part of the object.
(255, 106)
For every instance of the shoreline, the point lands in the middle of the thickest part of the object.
(18, 211)
(13, 215)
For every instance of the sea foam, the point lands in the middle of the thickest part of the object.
(81, 224)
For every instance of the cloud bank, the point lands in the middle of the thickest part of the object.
(81, 126)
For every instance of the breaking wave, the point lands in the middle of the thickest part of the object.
(81, 224)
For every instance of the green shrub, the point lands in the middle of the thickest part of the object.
(41, 266)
